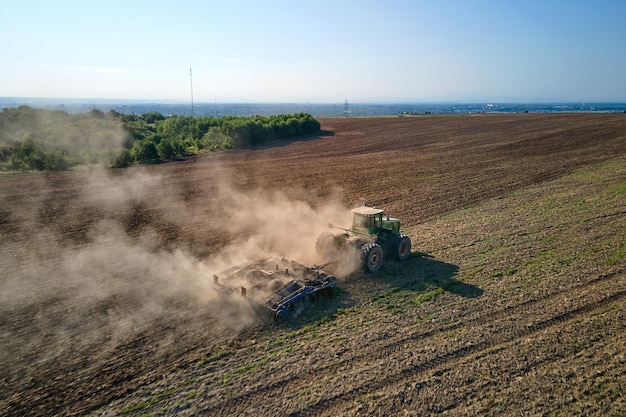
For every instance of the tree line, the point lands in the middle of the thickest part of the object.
(53, 140)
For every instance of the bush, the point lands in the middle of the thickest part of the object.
(170, 148)
(56, 161)
(215, 139)
(147, 151)
(125, 159)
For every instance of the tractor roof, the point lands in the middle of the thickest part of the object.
(367, 211)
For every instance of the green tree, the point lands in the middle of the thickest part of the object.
(125, 159)
(170, 148)
(152, 117)
(56, 160)
(146, 150)
(215, 139)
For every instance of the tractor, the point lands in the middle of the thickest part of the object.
(374, 234)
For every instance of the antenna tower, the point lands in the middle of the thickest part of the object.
(191, 84)
(346, 109)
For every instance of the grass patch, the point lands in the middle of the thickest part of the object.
(242, 370)
(318, 323)
(310, 327)
(138, 406)
(347, 311)
(419, 319)
(617, 256)
(510, 271)
(214, 357)
(394, 310)
(617, 190)
(428, 296)
(471, 274)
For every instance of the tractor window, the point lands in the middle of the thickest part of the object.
(378, 221)
(362, 221)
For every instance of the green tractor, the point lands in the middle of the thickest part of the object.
(374, 234)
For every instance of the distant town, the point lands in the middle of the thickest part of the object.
(341, 109)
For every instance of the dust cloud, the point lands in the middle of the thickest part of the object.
(105, 259)
(274, 224)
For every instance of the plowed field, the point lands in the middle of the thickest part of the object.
(512, 303)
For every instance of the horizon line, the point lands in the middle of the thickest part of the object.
(307, 102)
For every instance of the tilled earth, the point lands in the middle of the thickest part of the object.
(512, 302)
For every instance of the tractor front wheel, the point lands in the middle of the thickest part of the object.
(372, 257)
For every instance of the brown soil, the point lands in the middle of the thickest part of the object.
(512, 302)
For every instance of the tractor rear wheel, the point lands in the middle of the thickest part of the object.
(372, 255)
(403, 250)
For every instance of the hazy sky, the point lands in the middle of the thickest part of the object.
(315, 51)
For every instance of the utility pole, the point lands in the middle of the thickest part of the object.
(191, 83)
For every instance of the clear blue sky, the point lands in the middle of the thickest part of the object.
(315, 51)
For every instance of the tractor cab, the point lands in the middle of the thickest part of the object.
(374, 234)
(373, 221)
